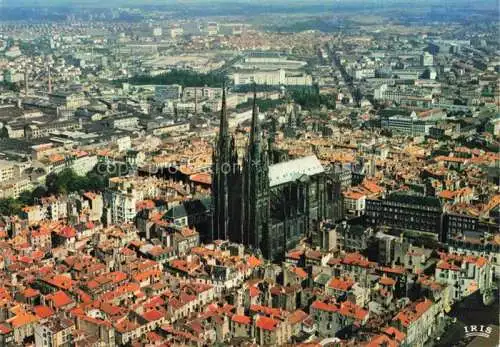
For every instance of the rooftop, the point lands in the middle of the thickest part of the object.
(292, 170)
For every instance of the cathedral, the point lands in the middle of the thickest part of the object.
(269, 206)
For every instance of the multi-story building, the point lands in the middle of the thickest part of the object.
(465, 274)
(122, 206)
(406, 125)
(80, 165)
(168, 92)
(405, 95)
(270, 207)
(352, 237)
(35, 131)
(426, 59)
(271, 331)
(190, 93)
(185, 107)
(14, 187)
(212, 28)
(55, 332)
(69, 101)
(94, 203)
(99, 328)
(456, 224)
(331, 317)
(273, 78)
(418, 321)
(342, 173)
(8, 170)
(354, 203)
(406, 212)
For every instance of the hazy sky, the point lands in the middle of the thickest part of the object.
(260, 2)
(490, 4)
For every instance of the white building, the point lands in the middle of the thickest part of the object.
(83, 165)
(465, 274)
(122, 206)
(354, 203)
(274, 78)
(157, 32)
(8, 170)
(411, 126)
(418, 321)
(124, 143)
(14, 187)
(168, 92)
(426, 59)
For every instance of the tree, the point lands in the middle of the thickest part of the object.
(26, 198)
(186, 78)
(64, 182)
(51, 183)
(67, 181)
(10, 207)
(97, 181)
(39, 192)
(310, 98)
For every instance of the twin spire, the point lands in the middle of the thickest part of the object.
(224, 125)
(255, 131)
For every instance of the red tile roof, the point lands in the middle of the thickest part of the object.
(300, 272)
(381, 341)
(95, 320)
(254, 291)
(201, 177)
(345, 308)
(30, 293)
(295, 254)
(357, 259)
(267, 323)
(125, 326)
(253, 261)
(353, 195)
(276, 312)
(343, 284)
(43, 311)
(60, 281)
(67, 232)
(59, 299)
(22, 319)
(395, 333)
(153, 315)
(413, 312)
(4, 329)
(395, 269)
(241, 319)
(387, 281)
(297, 316)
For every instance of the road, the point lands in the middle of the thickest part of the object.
(470, 312)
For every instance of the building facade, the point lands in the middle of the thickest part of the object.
(267, 207)
(406, 212)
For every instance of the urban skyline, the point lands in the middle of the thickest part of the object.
(249, 173)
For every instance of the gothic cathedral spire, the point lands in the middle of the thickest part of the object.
(225, 176)
(256, 185)
(220, 189)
